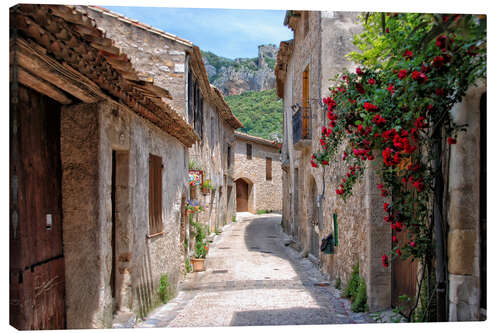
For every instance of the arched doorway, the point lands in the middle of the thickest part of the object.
(241, 195)
(244, 202)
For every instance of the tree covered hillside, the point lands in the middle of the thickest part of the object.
(261, 112)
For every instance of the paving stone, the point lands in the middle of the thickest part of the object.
(277, 288)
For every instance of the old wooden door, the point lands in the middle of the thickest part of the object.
(36, 250)
(241, 196)
(404, 275)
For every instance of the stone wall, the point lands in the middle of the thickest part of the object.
(211, 155)
(463, 211)
(266, 193)
(153, 56)
(140, 261)
(363, 235)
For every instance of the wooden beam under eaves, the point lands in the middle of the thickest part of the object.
(59, 75)
(41, 86)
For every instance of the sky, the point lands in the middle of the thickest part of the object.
(231, 33)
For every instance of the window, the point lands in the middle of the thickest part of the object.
(249, 151)
(155, 193)
(269, 168)
(195, 104)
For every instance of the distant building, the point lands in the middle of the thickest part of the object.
(257, 174)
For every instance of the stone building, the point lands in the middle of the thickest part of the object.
(257, 174)
(176, 64)
(99, 160)
(304, 67)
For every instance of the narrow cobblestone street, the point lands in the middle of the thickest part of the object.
(252, 278)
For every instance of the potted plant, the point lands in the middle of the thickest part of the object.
(206, 187)
(200, 249)
(193, 206)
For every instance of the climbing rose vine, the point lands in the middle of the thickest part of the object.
(413, 69)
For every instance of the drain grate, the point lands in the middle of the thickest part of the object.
(219, 271)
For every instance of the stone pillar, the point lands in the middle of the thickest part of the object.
(463, 211)
(80, 201)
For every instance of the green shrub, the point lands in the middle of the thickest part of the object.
(353, 284)
(234, 218)
(359, 304)
(261, 211)
(189, 268)
(164, 289)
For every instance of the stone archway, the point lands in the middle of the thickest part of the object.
(244, 195)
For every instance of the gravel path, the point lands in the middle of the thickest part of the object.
(253, 279)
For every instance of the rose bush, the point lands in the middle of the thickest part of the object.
(413, 69)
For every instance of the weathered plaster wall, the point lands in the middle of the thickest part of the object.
(87, 163)
(153, 56)
(463, 211)
(266, 193)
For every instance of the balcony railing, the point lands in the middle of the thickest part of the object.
(301, 121)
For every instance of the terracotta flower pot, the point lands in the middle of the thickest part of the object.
(198, 264)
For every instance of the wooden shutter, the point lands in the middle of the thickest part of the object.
(249, 151)
(228, 157)
(155, 195)
(305, 103)
(269, 168)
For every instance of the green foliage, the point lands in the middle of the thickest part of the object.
(338, 283)
(217, 231)
(270, 62)
(200, 245)
(234, 219)
(165, 289)
(220, 62)
(359, 304)
(263, 211)
(352, 286)
(261, 113)
(426, 310)
(187, 262)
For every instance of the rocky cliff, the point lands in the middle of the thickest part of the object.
(234, 77)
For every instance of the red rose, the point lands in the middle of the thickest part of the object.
(386, 206)
(390, 88)
(370, 107)
(419, 77)
(402, 74)
(408, 54)
(438, 61)
(324, 162)
(386, 30)
(424, 68)
(412, 244)
(440, 91)
(441, 41)
(418, 185)
(394, 239)
(419, 123)
(339, 191)
(371, 81)
(358, 71)
(359, 88)
(452, 141)
(314, 165)
(385, 261)
(398, 252)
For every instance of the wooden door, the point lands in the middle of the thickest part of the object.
(241, 196)
(36, 251)
(404, 275)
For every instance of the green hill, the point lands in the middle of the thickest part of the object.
(261, 112)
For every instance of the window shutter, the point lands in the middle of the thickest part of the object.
(269, 168)
(155, 195)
